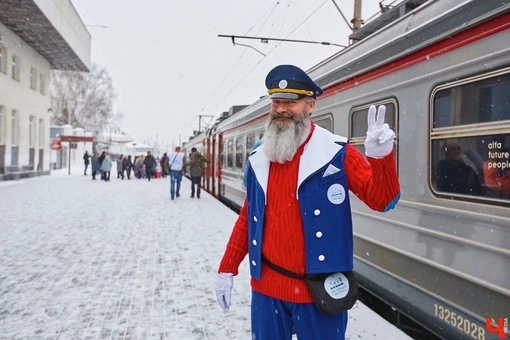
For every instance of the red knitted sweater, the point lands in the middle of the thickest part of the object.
(375, 182)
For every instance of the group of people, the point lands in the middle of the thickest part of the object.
(102, 164)
(177, 161)
(149, 167)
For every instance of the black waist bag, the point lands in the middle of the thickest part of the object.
(333, 293)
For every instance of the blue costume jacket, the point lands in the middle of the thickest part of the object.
(323, 199)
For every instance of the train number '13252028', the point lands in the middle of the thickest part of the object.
(459, 322)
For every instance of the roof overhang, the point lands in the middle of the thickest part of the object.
(52, 28)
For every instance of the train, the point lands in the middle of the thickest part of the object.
(442, 69)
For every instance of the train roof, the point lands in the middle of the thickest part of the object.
(247, 114)
(428, 23)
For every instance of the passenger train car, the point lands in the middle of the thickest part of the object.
(442, 256)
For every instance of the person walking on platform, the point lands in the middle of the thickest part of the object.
(128, 166)
(157, 168)
(120, 167)
(106, 167)
(101, 159)
(164, 165)
(86, 162)
(96, 165)
(175, 163)
(295, 223)
(196, 170)
(150, 165)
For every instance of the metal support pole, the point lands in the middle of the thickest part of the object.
(69, 160)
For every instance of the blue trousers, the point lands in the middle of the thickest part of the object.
(175, 183)
(276, 319)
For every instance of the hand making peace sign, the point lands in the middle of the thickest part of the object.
(379, 141)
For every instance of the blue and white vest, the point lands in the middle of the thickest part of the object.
(323, 198)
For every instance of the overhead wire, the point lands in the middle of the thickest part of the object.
(249, 72)
(240, 57)
(274, 48)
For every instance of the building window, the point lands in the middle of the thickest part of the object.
(470, 138)
(41, 133)
(3, 58)
(2, 125)
(14, 127)
(42, 83)
(31, 131)
(15, 67)
(33, 78)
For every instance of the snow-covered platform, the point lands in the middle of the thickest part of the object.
(83, 259)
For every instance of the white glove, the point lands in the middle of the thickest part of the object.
(224, 289)
(379, 142)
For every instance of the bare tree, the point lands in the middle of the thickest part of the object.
(82, 99)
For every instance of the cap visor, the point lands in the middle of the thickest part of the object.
(284, 95)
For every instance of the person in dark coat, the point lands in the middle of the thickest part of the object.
(101, 159)
(196, 170)
(96, 165)
(120, 167)
(86, 162)
(164, 165)
(150, 165)
(128, 166)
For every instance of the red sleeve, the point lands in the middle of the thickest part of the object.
(374, 181)
(237, 246)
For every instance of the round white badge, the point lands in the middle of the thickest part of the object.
(336, 193)
(336, 285)
(283, 84)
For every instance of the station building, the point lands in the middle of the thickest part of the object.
(36, 36)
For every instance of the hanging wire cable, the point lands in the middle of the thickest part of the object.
(342, 14)
(239, 59)
(274, 48)
(247, 74)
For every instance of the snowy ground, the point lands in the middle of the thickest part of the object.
(83, 259)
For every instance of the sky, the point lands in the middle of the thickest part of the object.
(172, 73)
(83, 259)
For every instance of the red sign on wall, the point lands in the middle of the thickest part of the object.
(55, 143)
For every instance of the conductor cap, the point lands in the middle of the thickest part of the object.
(290, 82)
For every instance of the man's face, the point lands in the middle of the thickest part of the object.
(286, 128)
(285, 112)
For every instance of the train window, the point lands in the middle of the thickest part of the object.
(359, 123)
(239, 153)
(470, 138)
(250, 142)
(473, 103)
(230, 153)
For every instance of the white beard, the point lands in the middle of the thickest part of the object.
(282, 139)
